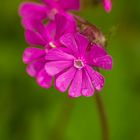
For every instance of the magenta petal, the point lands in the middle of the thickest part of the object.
(76, 86)
(57, 54)
(98, 57)
(32, 14)
(76, 42)
(87, 87)
(44, 80)
(34, 39)
(37, 26)
(70, 4)
(97, 78)
(61, 22)
(97, 51)
(104, 62)
(27, 23)
(68, 40)
(50, 30)
(34, 68)
(55, 67)
(30, 54)
(63, 80)
(32, 9)
(71, 25)
(31, 23)
(50, 3)
(82, 43)
(65, 23)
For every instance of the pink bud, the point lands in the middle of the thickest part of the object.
(107, 5)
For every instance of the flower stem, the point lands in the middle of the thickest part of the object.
(103, 117)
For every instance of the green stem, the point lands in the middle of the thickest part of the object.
(103, 117)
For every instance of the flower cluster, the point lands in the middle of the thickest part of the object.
(63, 47)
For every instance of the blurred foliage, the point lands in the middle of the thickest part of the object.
(28, 112)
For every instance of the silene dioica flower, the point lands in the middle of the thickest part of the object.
(63, 47)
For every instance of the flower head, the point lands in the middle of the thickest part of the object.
(47, 37)
(61, 6)
(31, 11)
(64, 47)
(74, 67)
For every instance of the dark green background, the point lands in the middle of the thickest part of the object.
(28, 112)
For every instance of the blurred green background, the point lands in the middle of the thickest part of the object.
(28, 112)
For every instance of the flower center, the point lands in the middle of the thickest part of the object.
(52, 45)
(78, 63)
(53, 12)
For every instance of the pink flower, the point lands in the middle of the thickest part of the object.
(48, 38)
(74, 67)
(35, 59)
(45, 11)
(61, 6)
(107, 5)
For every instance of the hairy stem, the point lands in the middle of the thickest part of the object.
(103, 117)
